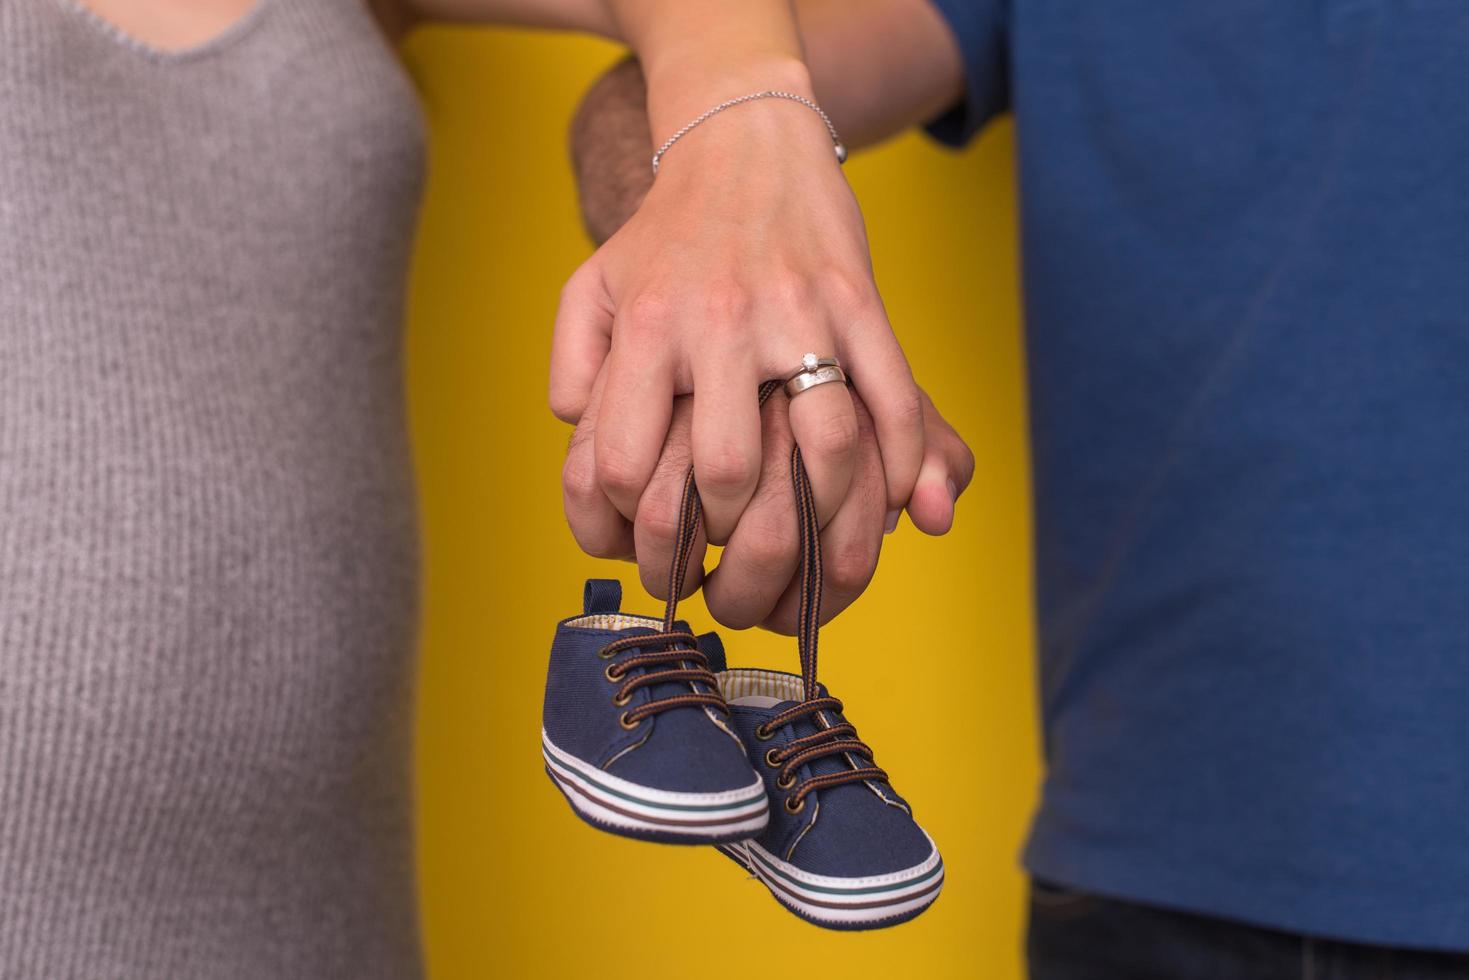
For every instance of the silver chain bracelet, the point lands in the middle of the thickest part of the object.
(836, 141)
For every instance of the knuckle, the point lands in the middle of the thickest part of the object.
(795, 293)
(578, 481)
(658, 512)
(908, 408)
(846, 292)
(836, 436)
(767, 553)
(617, 470)
(726, 470)
(649, 312)
(726, 301)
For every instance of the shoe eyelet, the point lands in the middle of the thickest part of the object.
(786, 782)
(612, 673)
(800, 805)
(763, 734)
(606, 654)
(630, 725)
(771, 760)
(622, 700)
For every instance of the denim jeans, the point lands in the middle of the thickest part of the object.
(1075, 935)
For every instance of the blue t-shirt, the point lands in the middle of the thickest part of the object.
(1246, 249)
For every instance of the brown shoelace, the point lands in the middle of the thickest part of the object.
(673, 656)
(667, 657)
(829, 739)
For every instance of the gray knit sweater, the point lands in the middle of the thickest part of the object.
(207, 552)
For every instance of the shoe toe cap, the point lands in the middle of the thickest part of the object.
(858, 835)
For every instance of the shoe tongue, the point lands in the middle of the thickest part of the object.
(713, 649)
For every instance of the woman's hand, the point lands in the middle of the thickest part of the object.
(748, 252)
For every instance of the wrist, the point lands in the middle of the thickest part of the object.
(679, 91)
(774, 131)
(763, 127)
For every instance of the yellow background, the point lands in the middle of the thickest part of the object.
(934, 662)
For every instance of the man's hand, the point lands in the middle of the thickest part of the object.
(757, 580)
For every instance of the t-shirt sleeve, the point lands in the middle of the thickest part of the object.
(979, 27)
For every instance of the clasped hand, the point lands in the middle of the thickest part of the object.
(748, 252)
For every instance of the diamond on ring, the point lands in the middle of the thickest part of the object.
(812, 364)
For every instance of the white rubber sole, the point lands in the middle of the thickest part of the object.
(623, 806)
(844, 903)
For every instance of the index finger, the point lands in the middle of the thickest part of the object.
(598, 527)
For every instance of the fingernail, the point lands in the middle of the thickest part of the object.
(953, 490)
(892, 524)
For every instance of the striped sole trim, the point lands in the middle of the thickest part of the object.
(620, 804)
(844, 903)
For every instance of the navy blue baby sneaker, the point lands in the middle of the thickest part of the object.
(634, 729)
(842, 849)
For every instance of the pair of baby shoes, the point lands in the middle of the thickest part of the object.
(648, 734)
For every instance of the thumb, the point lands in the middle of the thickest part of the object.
(582, 338)
(947, 468)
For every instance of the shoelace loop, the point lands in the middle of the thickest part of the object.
(667, 657)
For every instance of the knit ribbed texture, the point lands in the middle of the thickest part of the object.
(207, 552)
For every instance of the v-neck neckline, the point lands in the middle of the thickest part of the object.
(236, 30)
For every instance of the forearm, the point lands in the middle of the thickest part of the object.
(691, 50)
(695, 53)
(611, 145)
(879, 66)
